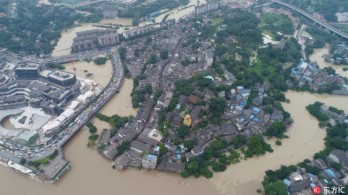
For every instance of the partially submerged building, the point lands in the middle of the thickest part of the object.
(92, 39)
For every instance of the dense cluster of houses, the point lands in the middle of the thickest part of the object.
(242, 116)
(338, 56)
(140, 144)
(335, 116)
(308, 74)
(304, 182)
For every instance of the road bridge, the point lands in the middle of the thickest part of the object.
(309, 16)
(86, 3)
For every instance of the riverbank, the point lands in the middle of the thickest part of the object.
(305, 139)
(65, 42)
(121, 103)
(92, 174)
(179, 12)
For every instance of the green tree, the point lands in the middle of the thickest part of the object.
(23, 161)
(152, 59)
(92, 128)
(276, 188)
(163, 149)
(239, 140)
(93, 137)
(123, 147)
(100, 60)
(277, 129)
(183, 131)
(217, 107)
(164, 54)
(257, 146)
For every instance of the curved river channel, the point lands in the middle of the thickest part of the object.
(92, 174)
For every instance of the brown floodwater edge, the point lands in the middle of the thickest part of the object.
(305, 139)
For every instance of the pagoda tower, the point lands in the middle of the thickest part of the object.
(187, 120)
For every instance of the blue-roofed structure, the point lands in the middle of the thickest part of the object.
(241, 120)
(256, 110)
(156, 148)
(178, 106)
(330, 173)
(239, 107)
(287, 182)
(255, 119)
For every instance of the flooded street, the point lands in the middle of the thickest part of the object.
(101, 73)
(318, 56)
(121, 103)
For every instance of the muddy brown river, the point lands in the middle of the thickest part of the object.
(92, 174)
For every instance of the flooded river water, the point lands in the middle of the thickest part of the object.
(92, 174)
(305, 139)
(318, 56)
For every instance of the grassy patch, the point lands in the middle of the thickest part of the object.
(273, 23)
(218, 20)
(342, 27)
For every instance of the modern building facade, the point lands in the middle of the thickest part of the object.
(28, 70)
(91, 39)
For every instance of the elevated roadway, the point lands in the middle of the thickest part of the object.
(309, 16)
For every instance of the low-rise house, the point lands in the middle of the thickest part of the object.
(175, 167)
(320, 163)
(330, 173)
(193, 99)
(177, 120)
(338, 156)
(139, 147)
(298, 183)
(122, 161)
(189, 156)
(135, 164)
(197, 151)
(198, 93)
(337, 182)
(149, 161)
(110, 152)
(124, 134)
(228, 129)
(195, 115)
(104, 138)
